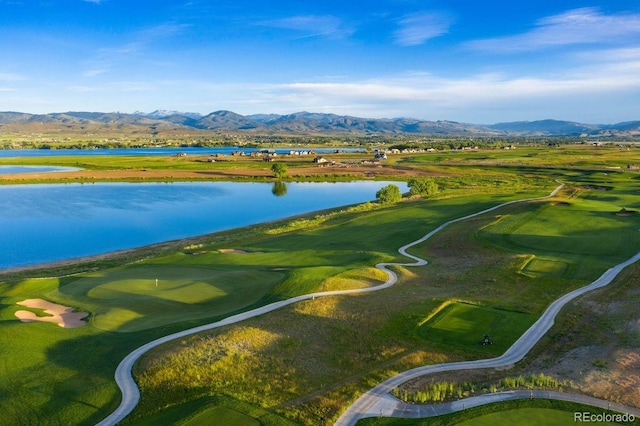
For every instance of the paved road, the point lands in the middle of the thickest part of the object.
(130, 391)
(392, 407)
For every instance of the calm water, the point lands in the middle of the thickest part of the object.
(227, 150)
(43, 223)
(35, 169)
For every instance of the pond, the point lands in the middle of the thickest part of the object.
(44, 223)
(35, 169)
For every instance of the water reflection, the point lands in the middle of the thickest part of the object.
(42, 223)
(279, 188)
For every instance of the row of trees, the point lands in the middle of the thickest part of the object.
(422, 187)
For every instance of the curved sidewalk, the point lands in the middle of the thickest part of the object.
(368, 405)
(392, 407)
(124, 378)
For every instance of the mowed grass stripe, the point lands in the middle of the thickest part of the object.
(464, 325)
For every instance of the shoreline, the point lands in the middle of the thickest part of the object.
(315, 173)
(143, 252)
(139, 253)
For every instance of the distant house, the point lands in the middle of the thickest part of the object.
(181, 154)
(320, 160)
(633, 167)
(380, 155)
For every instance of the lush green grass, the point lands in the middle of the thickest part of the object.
(322, 343)
(221, 415)
(548, 267)
(64, 376)
(506, 413)
(214, 411)
(464, 325)
(127, 299)
(525, 417)
(562, 235)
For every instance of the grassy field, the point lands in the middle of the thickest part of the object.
(464, 325)
(526, 417)
(521, 412)
(128, 299)
(306, 362)
(465, 263)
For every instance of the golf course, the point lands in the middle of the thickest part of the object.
(491, 274)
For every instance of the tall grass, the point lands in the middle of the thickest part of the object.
(444, 391)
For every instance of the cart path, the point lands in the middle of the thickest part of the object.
(131, 393)
(389, 406)
(368, 405)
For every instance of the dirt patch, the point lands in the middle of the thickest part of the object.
(562, 204)
(58, 314)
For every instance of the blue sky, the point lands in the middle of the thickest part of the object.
(470, 61)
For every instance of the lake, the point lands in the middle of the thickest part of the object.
(44, 223)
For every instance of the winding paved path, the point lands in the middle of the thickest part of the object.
(378, 399)
(362, 407)
(389, 406)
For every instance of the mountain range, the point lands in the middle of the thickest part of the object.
(307, 122)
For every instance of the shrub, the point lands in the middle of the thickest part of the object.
(422, 186)
(389, 194)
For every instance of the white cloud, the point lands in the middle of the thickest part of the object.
(11, 77)
(312, 25)
(94, 72)
(604, 92)
(577, 26)
(417, 29)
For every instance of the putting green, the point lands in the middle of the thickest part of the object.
(525, 417)
(129, 299)
(462, 324)
(548, 267)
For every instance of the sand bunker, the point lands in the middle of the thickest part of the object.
(58, 314)
(234, 251)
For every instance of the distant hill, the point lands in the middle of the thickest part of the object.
(546, 127)
(309, 122)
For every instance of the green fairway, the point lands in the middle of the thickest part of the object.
(214, 411)
(222, 416)
(522, 412)
(308, 361)
(464, 325)
(128, 299)
(525, 417)
(561, 236)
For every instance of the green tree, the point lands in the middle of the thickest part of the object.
(389, 194)
(422, 186)
(279, 170)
